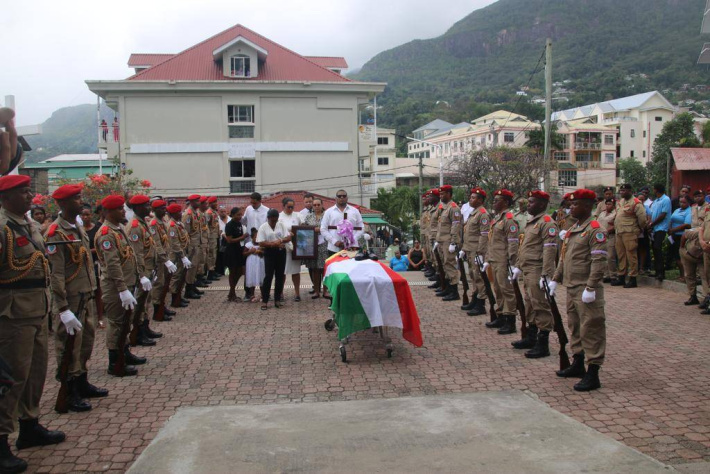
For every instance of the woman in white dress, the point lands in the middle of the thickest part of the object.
(255, 268)
(293, 267)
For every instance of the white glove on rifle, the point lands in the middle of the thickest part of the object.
(186, 262)
(589, 296)
(552, 285)
(462, 254)
(452, 248)
(485, 266)
(366, 236)
(70, 322)
(516, 272)
(172, 268)
(436, 244)
(562, 234)
(146, 284)
(127, 299)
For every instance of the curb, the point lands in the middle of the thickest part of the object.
(669, 285)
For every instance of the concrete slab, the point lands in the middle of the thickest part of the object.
(479, 432)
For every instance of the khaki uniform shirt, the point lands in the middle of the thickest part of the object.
(116, 257)
(521, 218)
(72, 264)
(601, 207)
(143, 247)
(212, 225)
(21, 245)
(424, 222)
(564, 220)
(692, 243)
(583, 259)
(503, 240)
(449, 229)
(179, 240)
(698, 214)
(159, 233)
(191, 222)
(475, 231)
(433, 221)
(630, 216)
(204, 230)
(606, 219)
(538, 250)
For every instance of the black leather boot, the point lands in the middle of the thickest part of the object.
(33, 434)
(479, 308)
(128, 370)
(149, 332)
(169, 313)
(197, 290)
(574, 370)
(166, 316)
(86, 390)
(692, 300)
(443, 290)
(142, 339)
(619, 281)
(631, 283)
(498, 323)
(9, 463)
(212, 276)
(542, 346)
(436, 285)
(190, 293)
(134, 359)
(453, 294)
(509, 326)
(590, 380)
(705, 303)
(74, 400)
(529, 341)
(471, 304)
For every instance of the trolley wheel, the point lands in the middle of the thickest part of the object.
(329, 325)
(389, 353)
(343, 354)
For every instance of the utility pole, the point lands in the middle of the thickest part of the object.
(421, 191)
(100, 135)
(548, 106)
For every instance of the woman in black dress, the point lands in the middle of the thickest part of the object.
(234, 235)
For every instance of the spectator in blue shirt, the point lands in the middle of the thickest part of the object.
(680, 221)
(660, 219)
(399, 263)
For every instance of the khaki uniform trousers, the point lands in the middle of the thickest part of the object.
(23, 345)
(536, 304)
(177, 276)
(475, 275)
(159, 283)
(448, 260)
(626, 246)
(205, 262)
(212, 254)
(692, 265)
(195, 257)
(587, 324)
(144, 299)
(115, 314)
(505, 295)
(611, 256)
(427, 251)
(83, 340)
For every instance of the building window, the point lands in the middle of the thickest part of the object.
(643, 153)
(644, 134)
(240, 119)
(240, 65)
(632, 154)
(383, 161)
(659, 119)
(383, 140)
(241, 186)
(608, 139)
(609, 158)
(426, 154)
(633, 133)
(567, 178)
(508, 137)
(242, 169)
(561, 156)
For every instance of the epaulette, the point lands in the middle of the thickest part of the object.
(453, 204)
(594, 224)
(483, 210)
(209, 211)
(441, 205)
(547, 218)
(104, 230)
(172, 223)
(508, 215)
(52, 230)
(135, 223)
(189, 211)
(636, 201)
(154, 222)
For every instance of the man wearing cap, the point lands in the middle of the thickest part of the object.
(424, 221)
(503, 242)
(213, 237)
(145, 249)
(24, 303)
(73, 281)
(434, 196)
(536, 258)
(159, 233)
(581, 269)
(691, 254)
(178, 247)
(601, 206)
(448, 239)
(118, 281)
(629, 221)
(606, 220)
(475, 244)
(191, 222)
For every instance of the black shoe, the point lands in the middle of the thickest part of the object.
(692, 300)
(453, 294)
(498, 323)
(574, 370)
(134, 359)
(606, 280)
(529, 341)
(86, 390)
(443, 290)
(590, 380)
(619, 281)
(479, 308)
(191, 293)
(198, 291)
(705, 303)
(434, 277)
(435, 286)
(542, 346)
(470, 305)
(185, 303)
(509, 325)
(631, 283)
(212, 276)
(75, 402)
(705, 311)
(142, 339)
(168, 312)
(128, 370)
(660, 278)
(149, 332)
(33, 434)
(9, 463)
(201, 284)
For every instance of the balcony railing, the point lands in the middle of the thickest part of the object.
(587, 165)
(620, 119)
(587, 146)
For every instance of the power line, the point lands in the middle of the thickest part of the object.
(527, 86)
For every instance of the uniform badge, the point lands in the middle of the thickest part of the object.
(106, 245)
(172, 233)
(513, 228)
(552, 232)
(22, 241)
(134, 237)
(484, 221)
(188, 220)
(152, 230)
(51, 249)
(600, 237)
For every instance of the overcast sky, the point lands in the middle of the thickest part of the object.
(49, 48)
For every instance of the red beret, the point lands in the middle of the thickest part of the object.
(193, 197)
(203, 198)
(434, 191)
(13, 181)
(66, 191)
(426, 193)
(446, 187)
(478, 191)
(504, 192)
(174, 208)
(212, 199)
(139, 199)
(582, 194)
(158, 203)
(113, 201)
(539, 194)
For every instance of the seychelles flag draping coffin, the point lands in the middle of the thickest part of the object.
(368, 294)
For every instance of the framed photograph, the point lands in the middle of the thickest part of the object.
(305, 242)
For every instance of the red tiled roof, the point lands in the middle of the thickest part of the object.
(689, 159)
(329, 61)
(147, 59)
(197, 64)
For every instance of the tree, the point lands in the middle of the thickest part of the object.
(399, 206)
(633, 172)
(706, 134)
(679, 132)
(536, 138)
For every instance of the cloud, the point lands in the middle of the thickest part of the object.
(52, 47)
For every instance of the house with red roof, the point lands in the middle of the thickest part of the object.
(238, 113)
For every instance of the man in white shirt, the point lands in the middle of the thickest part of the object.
(308, 202)
(334, 216)
(255, 214)
(466, 211)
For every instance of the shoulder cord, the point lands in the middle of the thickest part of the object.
(77, 258)
(26, 266)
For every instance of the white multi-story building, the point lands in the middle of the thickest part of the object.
(378, 169)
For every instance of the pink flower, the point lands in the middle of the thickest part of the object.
(146, 184)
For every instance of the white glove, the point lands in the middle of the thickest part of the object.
(552, 285)
(70, 322)
(542, 283)
(436, 244)
(186, 262)
(462, 254)
(127, 299)
(589, 296)
(146, 284)
(485, 266)
(452, 248)
(516, 272)
(366, 236)
(171, 266)
(562, 234)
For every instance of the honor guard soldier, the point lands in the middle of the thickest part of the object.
(580, 270)
(24, 306)
(73, 285)
(563, 218)
(178, 245)
(448, 238)
(424, 222)
(606, 219)
(191, 222)
(503, 241)
(202, 280)
(601, 206)
(536, 258)
(630, 220)
(698, 210)
(691, 254)
(704, 240)
(213, 237)
(475, 243)
(159, 232)
(433, 227)
(118, 280)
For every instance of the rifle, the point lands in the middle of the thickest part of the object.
(464, 282)
(60, 406)
(160, 314)
(559, 327)
(442, 273)
(120, 366)
(520, 303)
(489, 289)
(138, 313)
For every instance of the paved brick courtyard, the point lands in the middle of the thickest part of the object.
(655, 395)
